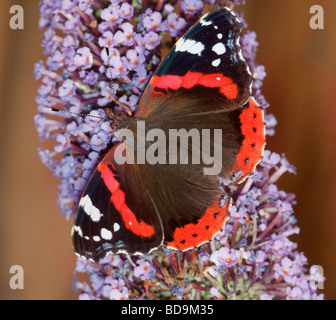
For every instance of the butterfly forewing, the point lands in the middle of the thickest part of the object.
(205, 64)
(115, 214)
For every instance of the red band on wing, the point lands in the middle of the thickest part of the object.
(139, 228)
(192, 235)
(253, 129)
(216, 80)
(168, 81)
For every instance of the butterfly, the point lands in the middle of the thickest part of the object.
(204, 83)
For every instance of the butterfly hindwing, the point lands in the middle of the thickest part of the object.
(147, 206)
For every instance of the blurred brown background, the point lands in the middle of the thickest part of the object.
(300, 86)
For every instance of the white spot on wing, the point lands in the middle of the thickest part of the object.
(216, 63)
(219, 36)
(78, 230)
(106, 234)
(189, 45)
(90, 209)
(96, 238)
(116, 227)
(219, 48)
(205, 23)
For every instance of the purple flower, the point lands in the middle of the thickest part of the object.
(175, 24)
(238, 214)
(225, 257)
(71, 24)
(84, 296)
(214, 292)
(204, 256)
(90, 163)
(70, 41)
(144, 271)
(49, 44)
(70, 54)
(284, 207)
(45, 126)
(249, 45)
(262, 101)
(131, 101)
(279, 247)
(286, 166)
(63, 141)
(80, 183)
(152, 20)
(55, 61)
(272, 190)
(92, 121)
(294, 293)
(106, 40)
(118, 67)
(287, 269)
(39, 70)
(67, 90)
(113, 260)
(68, 6)
(127, 10)
(125, 35)
(271, 123)
(99, 141)
(119, 294)
(85, 5)
(260, 257)
(140, 78)
(223, 236)
(111, 15)
(107, 94)
(270, 159)
(135, 59)
(111, 288)
(89, 78)
(46, 158)
(259, 74)
(191, 6)
(48, 87)
(84, 58)
(177, 291)
(149, 41)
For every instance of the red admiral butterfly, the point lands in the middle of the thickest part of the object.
(203, 83)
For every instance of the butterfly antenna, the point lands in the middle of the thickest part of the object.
(110, 114)
(76, 113)
(114, 97)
